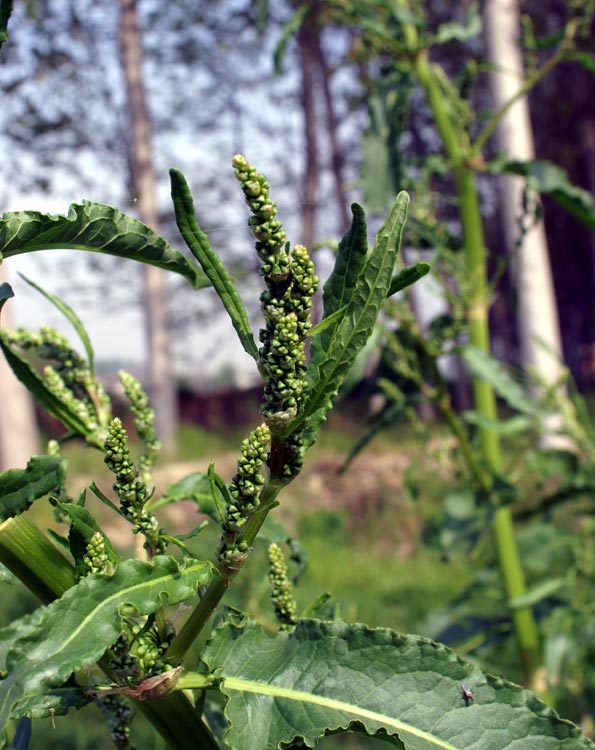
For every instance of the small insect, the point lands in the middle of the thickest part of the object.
(467, 694)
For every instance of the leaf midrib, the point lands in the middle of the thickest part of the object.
(275, 691)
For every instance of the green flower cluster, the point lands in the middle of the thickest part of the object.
(150, 648)
(119, 715)
(244, 491)
(68, 376)
(144, 422)
(282, 590)
(286, 302)
(95, 560)
(129, 487)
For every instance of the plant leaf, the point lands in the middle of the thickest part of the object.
(75, 630)
(96, 228)
(19, 488)
(5, 293)
(491, 371)
(329, 676)
(44, 397)
(548, 179)
(212, 266)
(337, 349)
(407, 276)
(5, 11)
(289, 29)
(452, 31)
(70, 315)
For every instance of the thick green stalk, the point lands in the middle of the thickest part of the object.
(485, 401)
(29, 554)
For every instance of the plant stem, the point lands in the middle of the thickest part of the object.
(218, 586)
(485, 402)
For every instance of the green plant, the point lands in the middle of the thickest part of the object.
(311, 677)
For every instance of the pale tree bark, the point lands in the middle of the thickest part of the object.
(539, 329)
(19, 437)
(160, 372)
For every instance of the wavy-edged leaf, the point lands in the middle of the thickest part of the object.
(491, 371)
(44, 397)
(70, 315)
(453, 31)
(328, 367)
(75, 630)
(19, 488)
(96, 228)
(329, 676)
(549, 179)
(407, 276)
(210, 262)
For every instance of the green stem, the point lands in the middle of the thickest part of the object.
(218, 586)
(485, 401)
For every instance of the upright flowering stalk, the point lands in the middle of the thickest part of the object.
(286, 305)
(129, 487)
(144, 423)
(282, 590)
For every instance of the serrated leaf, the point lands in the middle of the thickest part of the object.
(333, 356)
(75, 630)
(548, 179)
(19, 488)
(44, 397)
(325, 677)
(70, 315)
(210, 262)
(491, 371)
(96, 228)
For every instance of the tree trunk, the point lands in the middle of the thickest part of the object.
(160, 371)
(310, 194)
(539, 330)
(19, 439)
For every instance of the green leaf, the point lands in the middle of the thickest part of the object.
(407, 276)
(336, 351)
(96, 228)
(488, 369)
(196, 487)
(503, 427)
(329, 676)
(289, 30)
(82, 527)
(70, 315)
(548, 179)
(211, 264)
(452, 31)
(19, 488)
(44, 397)
(5, 293)
(75, 630)
(5, 11)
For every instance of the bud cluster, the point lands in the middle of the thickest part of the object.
(129, 487)
(68, 376)
(95, 559)
(150, 649)
(282, 590)
(286, 302)
(244, 490)
(119, 716)
(144, 422)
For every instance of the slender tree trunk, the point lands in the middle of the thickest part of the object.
(310, 193)
(142, 178)
(332, 129)
(539, 330)
(19, 439)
